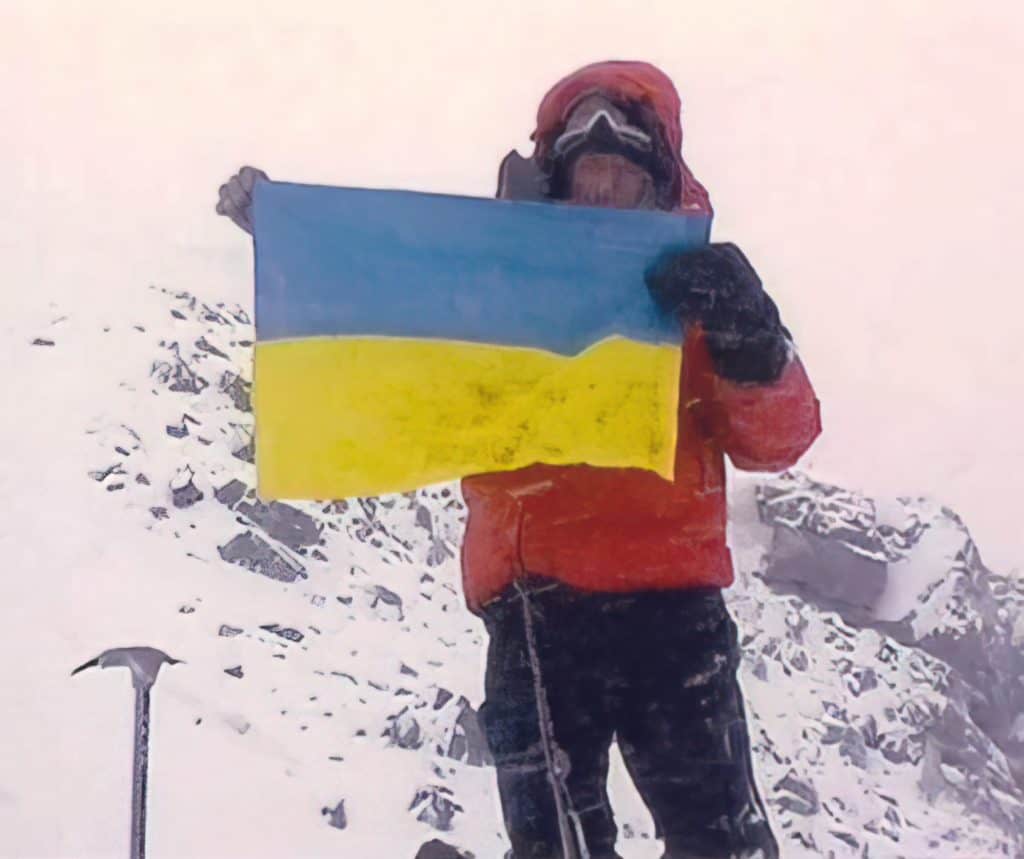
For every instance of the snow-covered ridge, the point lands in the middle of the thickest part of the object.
(879, 651)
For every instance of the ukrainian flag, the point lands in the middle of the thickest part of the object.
(406, 338)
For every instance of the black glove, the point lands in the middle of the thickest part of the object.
(718, 287)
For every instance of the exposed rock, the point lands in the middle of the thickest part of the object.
(435, 806)
(853, 748)
(823, 570)
(920, 581)
(177, 375)
(801, 798)
(285, 632)
(230, 493)
(424, 519)
(380, 595)
(247, 452)
(253, 552)
(238, 390)
(437, 849)
(204, 345)
(235, 672)
(467, 742)
(439, 552)
(336, 816)
(102, 474)
(282, 522)
(404, 731)
(184, 493)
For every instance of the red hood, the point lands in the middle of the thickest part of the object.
(623, 82)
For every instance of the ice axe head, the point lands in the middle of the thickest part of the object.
(143, 662)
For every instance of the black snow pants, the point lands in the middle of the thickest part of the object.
(654, 670)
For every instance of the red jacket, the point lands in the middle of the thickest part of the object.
(624, 529)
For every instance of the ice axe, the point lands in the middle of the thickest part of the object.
(144, 663)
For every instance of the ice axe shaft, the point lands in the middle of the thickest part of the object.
(140, 767)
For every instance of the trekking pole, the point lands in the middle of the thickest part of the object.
(569, 829)
(144, 664)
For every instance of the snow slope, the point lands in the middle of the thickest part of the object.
(331, 672)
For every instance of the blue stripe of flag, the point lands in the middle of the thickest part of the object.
(351, 261)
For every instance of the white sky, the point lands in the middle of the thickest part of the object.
(868, 157)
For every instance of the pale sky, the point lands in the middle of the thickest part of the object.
(866, 156)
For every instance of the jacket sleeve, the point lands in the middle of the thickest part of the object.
(762, 427)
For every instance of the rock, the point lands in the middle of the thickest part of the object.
(184, 493)
(159, 512)
(102, 474)
(247, 452)
(204, 345)
(435, 806)
(862, 680)
(424, 519)
(793, 500)
(238, 390)
(229, 631)
(853, 748)
(282, 522)
(179, 431)
(178, 375)
(39, 341)
(380, 595)
(404, 731)
(251, 551)
(235, 672)
(439, 552)
(845, 837)
(907, 569)
(285, 632)
(240, 316)
(230, 493)
(437, 849)
(823, 571)
(336, 816)
(801, 798)
(467, 741)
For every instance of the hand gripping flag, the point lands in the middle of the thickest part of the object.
(406, 338)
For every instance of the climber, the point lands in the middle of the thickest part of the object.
(614, 577)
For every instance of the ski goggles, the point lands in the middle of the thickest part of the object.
(602, 128)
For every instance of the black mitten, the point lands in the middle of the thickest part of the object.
(718, 287)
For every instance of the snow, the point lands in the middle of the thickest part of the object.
(111, 161)
(920, 571)
(347, 679)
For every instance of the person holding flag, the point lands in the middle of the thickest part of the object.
(601, 587)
